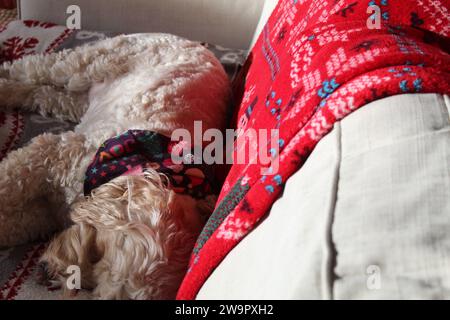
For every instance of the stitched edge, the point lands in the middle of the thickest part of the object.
(329, 250)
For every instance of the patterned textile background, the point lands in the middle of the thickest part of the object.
(19, 38)
(7, 15)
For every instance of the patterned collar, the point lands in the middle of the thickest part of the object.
(136, 151)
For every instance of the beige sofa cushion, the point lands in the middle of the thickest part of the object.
(224, 22)
(368, 215)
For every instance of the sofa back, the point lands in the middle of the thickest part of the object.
(228, 23)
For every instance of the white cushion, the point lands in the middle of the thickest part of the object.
(374, 196)
(224, 22)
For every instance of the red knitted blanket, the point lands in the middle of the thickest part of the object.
(315, 62)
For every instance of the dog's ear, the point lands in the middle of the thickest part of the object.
(77, 246)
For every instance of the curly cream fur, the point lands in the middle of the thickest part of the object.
(132, 237)
(135, 249)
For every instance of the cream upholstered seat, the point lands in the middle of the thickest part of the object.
(367, 216)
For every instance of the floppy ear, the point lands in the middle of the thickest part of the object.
(76, 245)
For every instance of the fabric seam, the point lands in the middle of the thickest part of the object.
(329, 250)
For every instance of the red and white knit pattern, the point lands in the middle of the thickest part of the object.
(313, 64)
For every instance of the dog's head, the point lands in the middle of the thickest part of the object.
(131, 238)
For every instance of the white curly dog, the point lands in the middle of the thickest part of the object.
(131, 237)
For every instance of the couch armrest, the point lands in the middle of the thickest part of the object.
(224, 22)
(366, 217)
